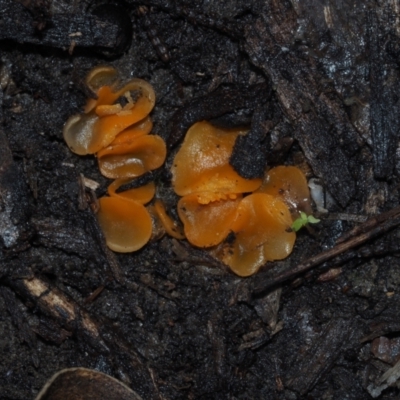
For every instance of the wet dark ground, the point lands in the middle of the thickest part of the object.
(167, 320)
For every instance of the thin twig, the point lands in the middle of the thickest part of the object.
(372, 228)
(369, 224)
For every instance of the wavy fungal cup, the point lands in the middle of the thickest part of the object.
(202, 162)
(262, 233)
(110, 114)
(290, 185)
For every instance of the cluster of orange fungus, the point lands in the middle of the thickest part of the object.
(115, 126)
(247, 221)
(202, 163)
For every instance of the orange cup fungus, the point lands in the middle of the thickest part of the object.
(126, 224)
(202, 163)
(168, 224)
(115, 127)
(247, 222)
(290, 185)
(262, 233)
(247, 230)
(207, 224)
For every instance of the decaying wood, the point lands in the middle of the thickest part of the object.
(222, 106)
(194, 329)
(14, 204)
(86, 31)
(384, 102)
(94, 333)
(321, 124)
(25, 333)
(319, 357)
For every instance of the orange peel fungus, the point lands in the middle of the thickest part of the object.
(245, 230)
(126, 224)
(115, 127)
(202, 163)
(262, 233)
(290, 185)
(111, 113)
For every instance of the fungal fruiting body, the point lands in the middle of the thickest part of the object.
(207, 224)
(210, 187)
(126, 224)
(115, 127)
(289, 184)
(202, 163)
(167, 223)
(247, 222)
(262, 233)
(132, 159)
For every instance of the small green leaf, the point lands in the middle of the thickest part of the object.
(312, 220)
(297, 225)
(303, 220)
(303, 215)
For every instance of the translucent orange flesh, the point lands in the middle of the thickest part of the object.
(209, 197)
(126, 224)
(170, 226)
(142, 194)
(89, 133)
(102, 75)
(202, 162)
(107, 109)
(101, 80)
(209, 224)
(105, 96)
(78, 133)
(132, 159)
(290, 185)
(262, 233)
(108, 127)
(141, 128)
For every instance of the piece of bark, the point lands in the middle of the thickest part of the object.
(61, 31)
(223, 101)
(95, 334)
(384, 86)
(14, 203)
(320, 356)
(50, 331)
(322, 127)
(63, 235)
(25, 332)
(250, 152)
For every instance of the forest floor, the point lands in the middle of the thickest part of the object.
(168, 320)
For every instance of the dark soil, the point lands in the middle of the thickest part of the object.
(318, 83)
